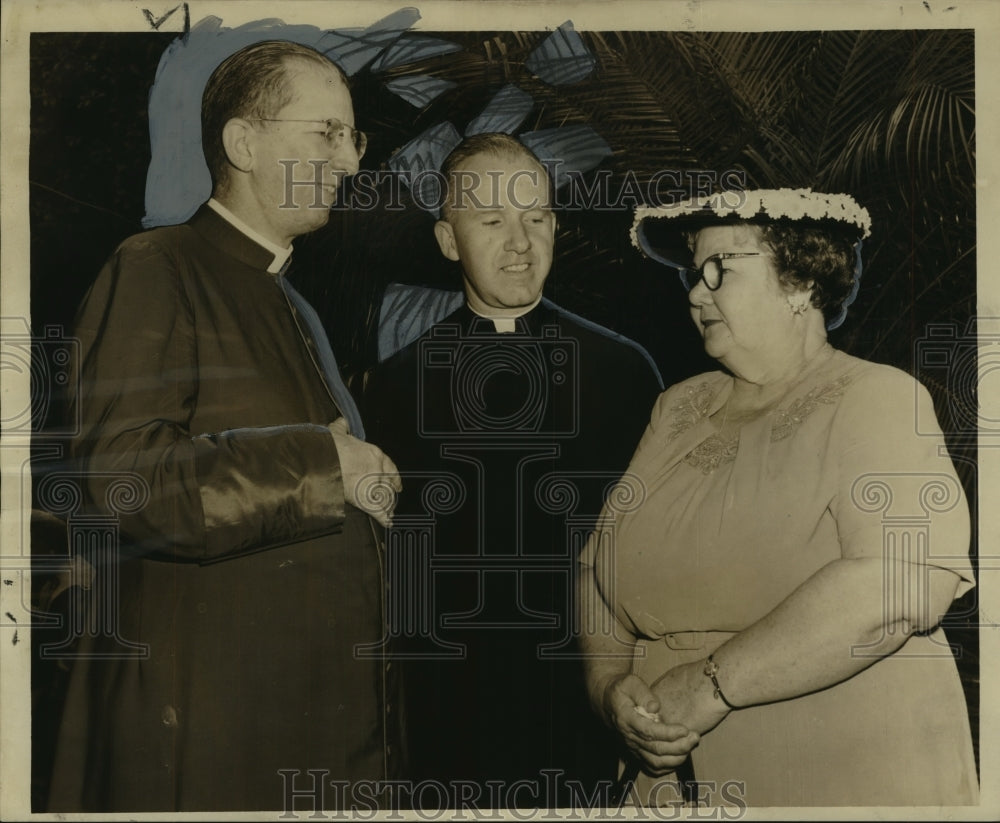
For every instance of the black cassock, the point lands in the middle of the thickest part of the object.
(507, 445)
(245, 583)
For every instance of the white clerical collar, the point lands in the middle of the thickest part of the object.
(280, 255)
(505, 324)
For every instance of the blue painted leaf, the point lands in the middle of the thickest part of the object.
(420, 89)
(413, 49)
(504, 113)
(419, 163)
(408, 311)
(567, 149)
(562, 57)
(353, 49)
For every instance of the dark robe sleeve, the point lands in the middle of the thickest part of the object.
(629, 388)
(209, 494)
(646, 386)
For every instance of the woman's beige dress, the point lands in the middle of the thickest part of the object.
(711, 536)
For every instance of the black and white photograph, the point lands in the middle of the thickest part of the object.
(499, 410)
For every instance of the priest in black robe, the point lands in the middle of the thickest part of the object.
(240, 669)
(510, 421)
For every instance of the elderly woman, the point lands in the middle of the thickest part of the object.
(768, 598)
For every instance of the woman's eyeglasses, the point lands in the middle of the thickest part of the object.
(334, 133)
(711, 270)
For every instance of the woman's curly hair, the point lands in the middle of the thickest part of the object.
(813, 254)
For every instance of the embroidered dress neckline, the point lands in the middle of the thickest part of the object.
(703, 399)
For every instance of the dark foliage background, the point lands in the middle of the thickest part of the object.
(887, 116)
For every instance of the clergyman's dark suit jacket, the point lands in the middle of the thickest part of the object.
(507, 445)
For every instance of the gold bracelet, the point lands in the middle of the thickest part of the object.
(711, 670)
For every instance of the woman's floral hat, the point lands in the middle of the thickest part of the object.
(659, 231)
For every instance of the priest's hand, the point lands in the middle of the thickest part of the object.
(371, 479)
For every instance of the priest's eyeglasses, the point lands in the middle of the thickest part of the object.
(334, 133)
(712, 269)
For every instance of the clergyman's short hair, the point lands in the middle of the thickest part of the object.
(494, 144)
(253, 82)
